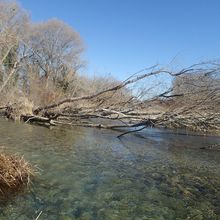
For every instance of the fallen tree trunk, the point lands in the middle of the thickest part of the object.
(37, 119)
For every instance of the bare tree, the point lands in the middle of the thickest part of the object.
(56, 50)
(199, 89)
(14, 22)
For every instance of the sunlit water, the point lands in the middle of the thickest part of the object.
(90, 174)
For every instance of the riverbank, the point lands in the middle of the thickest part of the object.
(134, 119)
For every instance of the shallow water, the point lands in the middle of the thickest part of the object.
(90, 174)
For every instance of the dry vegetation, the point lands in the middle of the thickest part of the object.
(40, 83)
(15, 174)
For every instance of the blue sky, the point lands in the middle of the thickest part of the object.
(124, 36)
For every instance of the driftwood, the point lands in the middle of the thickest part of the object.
(211, 147)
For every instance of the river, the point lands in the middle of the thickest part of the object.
(88, 174)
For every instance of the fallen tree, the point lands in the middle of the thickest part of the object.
(178, 108)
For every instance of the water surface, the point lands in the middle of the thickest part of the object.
(90, 174)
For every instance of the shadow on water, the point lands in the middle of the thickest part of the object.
(91, 174)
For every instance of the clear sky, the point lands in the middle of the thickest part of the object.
(124, 36)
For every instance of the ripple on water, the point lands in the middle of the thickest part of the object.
(90, 174)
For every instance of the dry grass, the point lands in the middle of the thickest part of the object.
(22, 106)
(15, 174)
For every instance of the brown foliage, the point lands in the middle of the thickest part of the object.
(15, 173)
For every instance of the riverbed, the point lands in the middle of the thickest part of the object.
(86, 173)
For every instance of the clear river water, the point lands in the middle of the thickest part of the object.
(90, 174)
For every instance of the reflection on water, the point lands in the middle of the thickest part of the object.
(90, 174)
